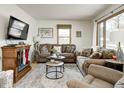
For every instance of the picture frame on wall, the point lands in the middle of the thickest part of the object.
(78, 34)
(45, 32)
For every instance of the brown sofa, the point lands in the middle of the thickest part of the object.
(98, 57)
(42, 51)
(99, 77)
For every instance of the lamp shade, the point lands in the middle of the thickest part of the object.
(117, 36)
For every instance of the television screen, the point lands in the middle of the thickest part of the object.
(17, 29)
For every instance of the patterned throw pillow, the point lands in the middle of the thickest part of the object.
(87, 52)
(107, 54)
(44, 49)
(68, 49)
(96, 55)
(63, 48)
(72, 49)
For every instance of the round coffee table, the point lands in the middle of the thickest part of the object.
(54, 70)
(59, 58)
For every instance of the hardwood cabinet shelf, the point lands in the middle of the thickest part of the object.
(14, 58)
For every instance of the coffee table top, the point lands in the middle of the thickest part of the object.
(55, 63)
(55, 57)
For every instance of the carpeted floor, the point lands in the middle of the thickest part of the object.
(36, 77)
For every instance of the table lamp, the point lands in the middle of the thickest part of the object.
(117, 37)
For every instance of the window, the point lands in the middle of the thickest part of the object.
(64, 34)
(100, 34)
(105, 27)
(111, 25)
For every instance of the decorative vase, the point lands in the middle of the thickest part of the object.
(120, 54)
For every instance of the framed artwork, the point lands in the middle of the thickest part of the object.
(45, 32)
(78, 33)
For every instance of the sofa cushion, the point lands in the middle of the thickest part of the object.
(68, 55)
(96, 55)
(98, 83)
(68, 48)
(87, 52)
(120, 83)
(107, 53)
(63, 49)
(43, 48)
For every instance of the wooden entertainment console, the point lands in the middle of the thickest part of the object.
(16, 58)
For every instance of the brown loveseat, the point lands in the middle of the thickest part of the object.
(99, 77)
(42, 51)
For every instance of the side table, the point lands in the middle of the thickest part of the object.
(115, 65)
(58, 69)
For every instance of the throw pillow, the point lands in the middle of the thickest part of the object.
(57, 48)
(96, 55)
(68, 49)
(87, 52)
(44, 49)
(107, 53)
(72, 49)
(63, 48)
(120, 83)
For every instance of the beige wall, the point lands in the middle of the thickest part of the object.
(13, 10)
(84, 26)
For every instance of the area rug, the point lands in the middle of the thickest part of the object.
(36, 78)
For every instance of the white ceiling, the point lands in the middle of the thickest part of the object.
(63, 11)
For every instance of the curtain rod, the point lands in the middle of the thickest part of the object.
(109, 12)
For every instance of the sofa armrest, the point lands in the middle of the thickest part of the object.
(77, 53)
(105, 73)
(77, 84)
(6, 79)
(88, 62)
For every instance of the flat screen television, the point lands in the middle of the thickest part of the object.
(17, 29)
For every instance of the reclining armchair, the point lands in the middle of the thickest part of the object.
(99, 77)
(88, 62)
